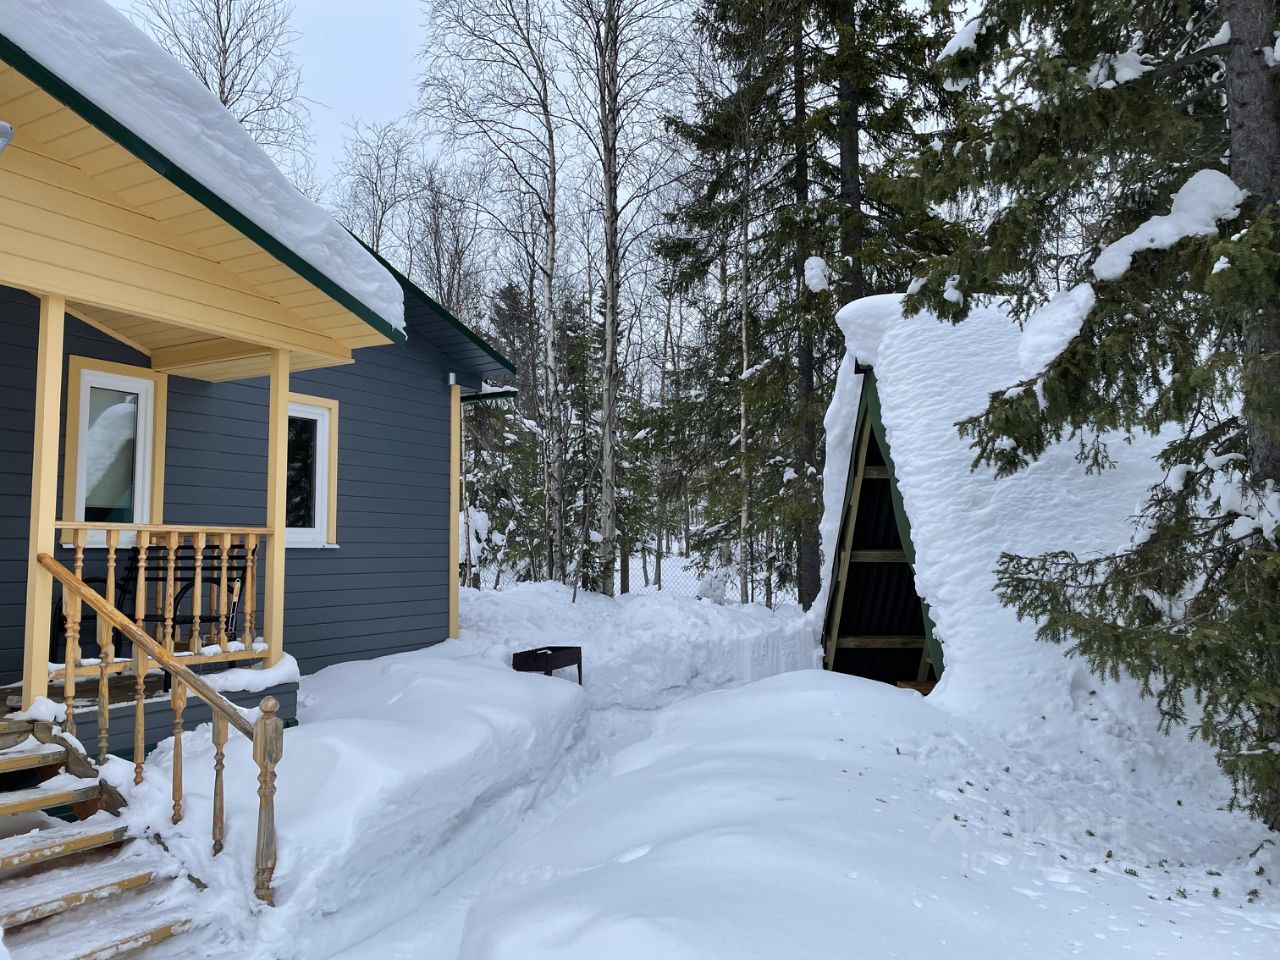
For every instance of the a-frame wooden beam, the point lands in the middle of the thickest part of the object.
(871, 425)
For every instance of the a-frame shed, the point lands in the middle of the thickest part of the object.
(876, 624)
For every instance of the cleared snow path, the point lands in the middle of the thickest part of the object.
(640, 653)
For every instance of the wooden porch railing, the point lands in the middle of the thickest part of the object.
(266, 733)
(214, 569)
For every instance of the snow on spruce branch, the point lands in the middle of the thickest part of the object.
(1111, 70)
(1203, 201)
(1050, 329)
(966, 38)
(817, 275)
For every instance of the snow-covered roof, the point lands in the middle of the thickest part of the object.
(104, 59)
(929, 375)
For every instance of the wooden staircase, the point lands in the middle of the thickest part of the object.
(73, 884)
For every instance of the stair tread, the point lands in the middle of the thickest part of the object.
(28, 898)
(102, 940)
(49, 844)
(54, 792)
(30, 754)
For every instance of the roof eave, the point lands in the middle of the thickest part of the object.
(94, 115)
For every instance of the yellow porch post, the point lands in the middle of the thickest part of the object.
(44, 498)
(455, 499)
(277, 456)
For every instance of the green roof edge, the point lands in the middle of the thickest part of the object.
(492, 395)
(409, 286)
(48, 81)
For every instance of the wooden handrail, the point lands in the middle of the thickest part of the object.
(266, 733)
(73, 525)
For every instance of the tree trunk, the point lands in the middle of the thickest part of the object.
(744, 296)
(849, 123)
(624, 563)
(1255, 167)
(554, 419)
(809, 574)
(608, 93)
(657, 564)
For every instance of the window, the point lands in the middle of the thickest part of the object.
(312, 467)
(113, 466)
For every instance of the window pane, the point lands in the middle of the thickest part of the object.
(110, 452)
(301, 500)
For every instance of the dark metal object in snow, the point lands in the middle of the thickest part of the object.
(547, 659)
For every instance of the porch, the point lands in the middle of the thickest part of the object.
(209, 594)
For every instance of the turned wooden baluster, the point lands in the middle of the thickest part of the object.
(106, 652)
(249, 594)
(179, 705)
(197, 591)
(268, 748)
(140, 660)
(172, 543)
(224, 544)
(71, 609)
(219, 764)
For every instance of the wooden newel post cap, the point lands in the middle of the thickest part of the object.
(269, 706)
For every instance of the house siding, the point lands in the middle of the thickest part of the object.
(383, 589)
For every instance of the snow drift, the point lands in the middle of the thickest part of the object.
(814, 815)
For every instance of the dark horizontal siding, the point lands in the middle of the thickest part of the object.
(383, 590)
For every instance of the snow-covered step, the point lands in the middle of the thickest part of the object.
(13, 732)
(60, 791)
(99, 941)
(41, 846)
(30, 898)
(31, 754)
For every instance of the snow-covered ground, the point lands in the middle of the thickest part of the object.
(407, 773)
(823, 816)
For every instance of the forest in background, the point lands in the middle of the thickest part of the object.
(653, 208)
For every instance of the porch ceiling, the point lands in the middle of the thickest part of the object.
(139, 258)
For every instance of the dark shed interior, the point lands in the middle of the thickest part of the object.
(881, 630)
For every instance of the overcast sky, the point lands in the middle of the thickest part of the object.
(359, 61)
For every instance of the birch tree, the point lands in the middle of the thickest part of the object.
(489, 84)
(620, 58)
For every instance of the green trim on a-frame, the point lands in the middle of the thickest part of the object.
(869, 424)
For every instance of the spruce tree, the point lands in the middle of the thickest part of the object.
(1082, 122)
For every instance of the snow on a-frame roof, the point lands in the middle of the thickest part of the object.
(98, 52)
(929, 375)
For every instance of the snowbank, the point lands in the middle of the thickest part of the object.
(643, 650)
(100, 54)
(402, 773)
(817, 816)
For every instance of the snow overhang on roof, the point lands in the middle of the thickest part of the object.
(471, 353)
(930, 374)
(91, 58)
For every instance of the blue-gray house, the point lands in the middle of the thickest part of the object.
(222, 414)
(229, 453)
